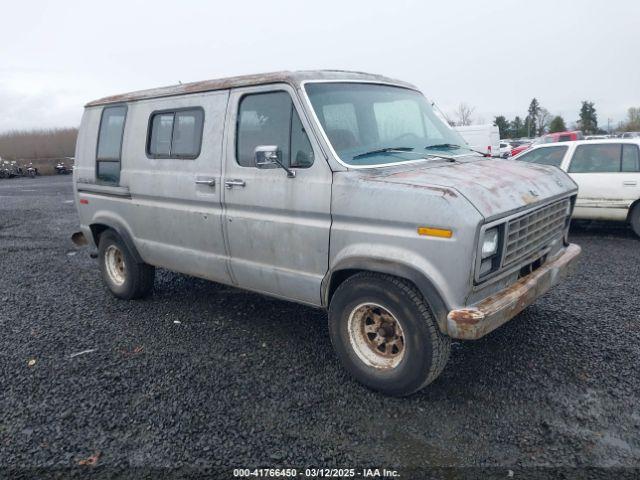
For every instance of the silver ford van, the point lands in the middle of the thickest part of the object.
(340, 190)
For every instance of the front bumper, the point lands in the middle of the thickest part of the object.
(476, 321)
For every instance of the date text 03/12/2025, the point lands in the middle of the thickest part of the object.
(316, 472)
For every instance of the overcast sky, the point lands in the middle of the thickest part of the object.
(494, 55)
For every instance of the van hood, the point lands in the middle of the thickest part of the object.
(495, 187)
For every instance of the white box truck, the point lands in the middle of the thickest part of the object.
(484, 138)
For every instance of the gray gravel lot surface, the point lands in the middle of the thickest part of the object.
(245, 380)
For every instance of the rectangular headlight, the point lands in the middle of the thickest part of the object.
(490, 242)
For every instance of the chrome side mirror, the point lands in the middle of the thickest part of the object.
(267, 156)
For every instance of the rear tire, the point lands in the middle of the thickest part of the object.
(634, 219)
(385, 335)
(123, 276)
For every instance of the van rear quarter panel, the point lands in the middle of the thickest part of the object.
(174, 222)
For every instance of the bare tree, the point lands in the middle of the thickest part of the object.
(464, 114)
(543, 117)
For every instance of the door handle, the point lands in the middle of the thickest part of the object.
(630, 183)
(236, 182)
(209, 181)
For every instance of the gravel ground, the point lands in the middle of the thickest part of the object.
(206, 375)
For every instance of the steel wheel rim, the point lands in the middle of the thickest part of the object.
(115, 265)
(376, 336)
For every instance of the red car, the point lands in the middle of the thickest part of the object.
(562, 137)
(521, 148)
(550, 138)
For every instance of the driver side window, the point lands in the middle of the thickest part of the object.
(271, 119)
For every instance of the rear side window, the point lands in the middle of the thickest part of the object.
(598, 158)
(110, 144)
(175, 134)
(545, 156)
(630, 158)
(161, 131)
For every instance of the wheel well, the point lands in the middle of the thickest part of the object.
(417, 279)
(97, 229)
(338, 278)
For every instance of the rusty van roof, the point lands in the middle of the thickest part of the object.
(292, 78)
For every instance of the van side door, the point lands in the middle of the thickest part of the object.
(277, 227)
(173, 167)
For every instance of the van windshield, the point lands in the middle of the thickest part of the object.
(372, 124)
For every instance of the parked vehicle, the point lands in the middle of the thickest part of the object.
(607, 173)
(13, 169)
(549, 138)
(631, 135)
(62, 169)
(30, 170)
(562, 137)
(5, 169)
(597, 137)
(9, 169)
(521, 148)
(505, 149)
(483, 138)
(520, 141)
(334, 189)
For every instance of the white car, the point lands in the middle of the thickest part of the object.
(607, 173)
(505, 149)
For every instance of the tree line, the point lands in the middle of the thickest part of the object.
(539, 121)
(38, 144)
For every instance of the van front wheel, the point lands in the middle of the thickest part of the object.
(123, 276)
(385, 335)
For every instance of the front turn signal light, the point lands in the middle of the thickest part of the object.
(435, 232)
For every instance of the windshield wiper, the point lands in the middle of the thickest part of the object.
(451, 145)
(384, 150)
(437, 155)
(405, 150)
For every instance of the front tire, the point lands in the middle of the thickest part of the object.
(385, 335)
(634, 219)
(123, 276)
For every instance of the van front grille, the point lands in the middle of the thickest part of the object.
(533, 231)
